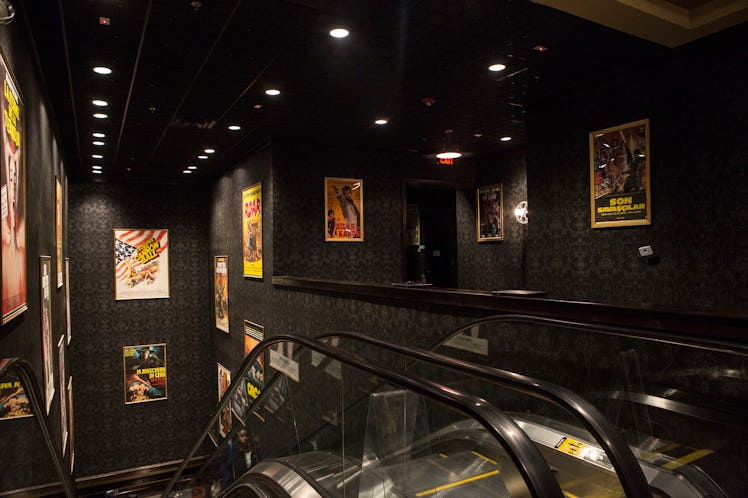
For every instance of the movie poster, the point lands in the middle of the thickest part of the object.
(14, 403)
(253, 335)
(221, 292)
(489, 213)
(58, 229)
(620, 175)
(141, 264)
(68, 327)
(224, 381)
(63, 393)
(70, 423)
(145, 373)
(252, 230)
(13, 197)
(344, 209)
(45, 270)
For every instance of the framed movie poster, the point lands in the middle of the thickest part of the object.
(68, 327)
(254, 334)
(252, 230)
(141, 264)
(221, 292)
(144, 373)
(344, 209)
(58, 229)
(63, 393)
(620, 176)
(70, 423)
(14, 402)
(489, 216)
(45, 284)
(13, 197)
(224, 381)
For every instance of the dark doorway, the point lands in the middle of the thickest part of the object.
(434, 259)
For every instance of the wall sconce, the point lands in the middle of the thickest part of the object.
(520, 212)
(7, 12)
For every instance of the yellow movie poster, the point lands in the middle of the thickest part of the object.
(13, 202)
(252, 230)
(344, 209)
(141, 264)
(14, 402)
(144, 373)
(221, 292)
(620, 176)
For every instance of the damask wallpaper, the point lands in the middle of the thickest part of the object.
(110, 435)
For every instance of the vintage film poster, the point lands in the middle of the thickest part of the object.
(58, 229)
(145, 373)
(14, 402)
(45, 270)
(252, 230)
(141, 264)
(63, 393)
(253, 335)
(68, 327)
(13, 197)
(70, 423)
(224, 381)
(221, 292)
(620, 176)
(344, 209)
(489, 213)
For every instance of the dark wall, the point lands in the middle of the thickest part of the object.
(501, 264)
(696, 102)
(24, 458)
(111, 435)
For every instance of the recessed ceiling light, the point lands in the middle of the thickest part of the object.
(186, 171)
(98, 142)
(505, 139)
(496, 67)
(380, 122)
(96, 167)
(210, 151)
(272, 91)
(202, 157)
(97, 156)
(102, 70)
(191, 167)
(99, 135)
(339, 33)
(100, 115)
(477, 135)
(258, 106)
(96, 171)
(235, 127)
(100, 103)
(540, 48)
(448, 155)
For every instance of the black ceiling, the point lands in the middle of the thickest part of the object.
(185, 70)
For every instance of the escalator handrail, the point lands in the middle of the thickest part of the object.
(619, 453)
(25, 373)
(642, 334)
(527, 459)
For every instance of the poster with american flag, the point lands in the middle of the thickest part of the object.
(141, 264)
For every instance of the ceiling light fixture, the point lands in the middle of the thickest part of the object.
(102, 70)
(97, 156)
(186, 171)
(202, 157)
(96, 167)
(505, 139)
(339, 33)
(380, 122)
(96, 171)
(99, 135)
(448, 151)
(210, 151)
(496, 67)
(191, 167)
(98, 142)
(100, 115)
(235, 127)
(272, 92)
(520, 212)
(540, 48)
(100, 103)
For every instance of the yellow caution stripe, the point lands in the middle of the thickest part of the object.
(569, 495)
(484, 457)
(686, 459)
(456, 483)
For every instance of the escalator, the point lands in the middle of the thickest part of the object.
(332, 424)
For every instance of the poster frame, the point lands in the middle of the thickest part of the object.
(58, 230)
(222, 325)
(331, 193)
(497, 211)
(45, 317)
(252, 264)
(163, 270)
(126, 375)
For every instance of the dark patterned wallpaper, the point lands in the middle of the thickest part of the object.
(110, 435)
(699, 161)
(24, 458)
(502, 264)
